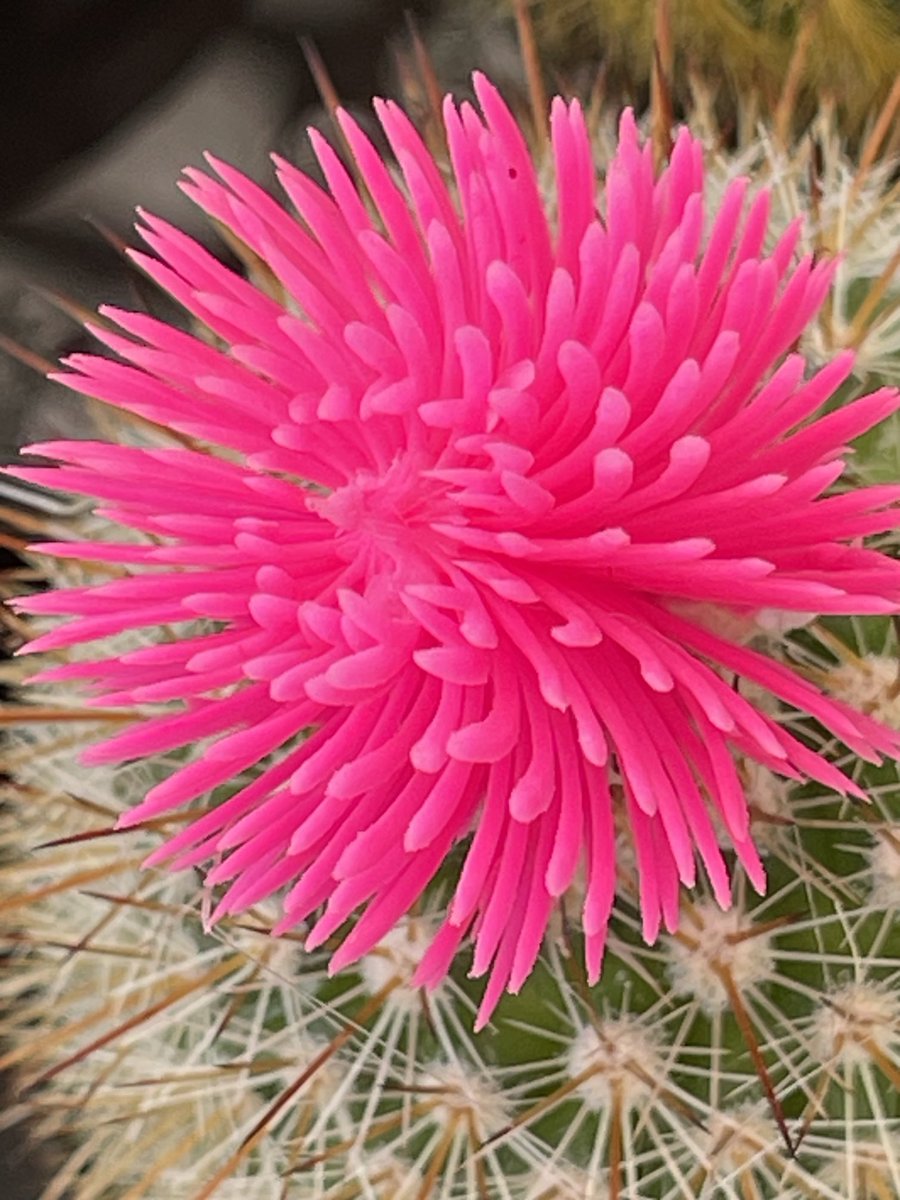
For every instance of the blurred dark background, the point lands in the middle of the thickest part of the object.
(82, 79)
(101, 105)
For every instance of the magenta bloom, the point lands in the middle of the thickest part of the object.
(486, 471)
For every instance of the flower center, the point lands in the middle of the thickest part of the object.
(390, 509)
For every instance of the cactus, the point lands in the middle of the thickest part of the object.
(846, 52)
(753, 1052)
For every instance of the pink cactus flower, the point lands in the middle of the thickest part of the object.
(473, 489)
